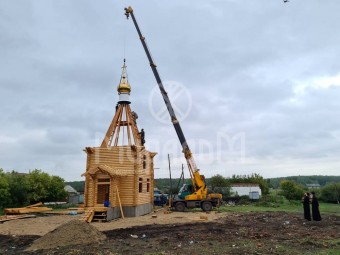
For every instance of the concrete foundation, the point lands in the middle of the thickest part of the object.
(129, 211)
(134, 211)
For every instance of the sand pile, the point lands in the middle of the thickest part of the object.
(70, 233)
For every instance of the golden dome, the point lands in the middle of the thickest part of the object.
(124, 86)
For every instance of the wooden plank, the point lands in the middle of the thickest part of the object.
(120, 204)
(86, 215)
(90, 218)
(110, 132)
(35, 205)
(100, 209)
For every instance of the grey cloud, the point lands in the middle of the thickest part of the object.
(60, 65)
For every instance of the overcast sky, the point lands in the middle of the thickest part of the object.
(255, 83)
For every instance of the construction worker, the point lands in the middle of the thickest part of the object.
(134, 116)
(142, 136)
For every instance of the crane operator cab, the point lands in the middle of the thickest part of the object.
(182, 200)
(186, 189)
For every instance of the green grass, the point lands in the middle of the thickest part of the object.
(325, 208)
(330, 208)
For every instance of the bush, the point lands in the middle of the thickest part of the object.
(330, 193)
(5, 195)
(18, 190)
(291, 190)
(271, 200)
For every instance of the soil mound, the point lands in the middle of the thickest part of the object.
(71, 233)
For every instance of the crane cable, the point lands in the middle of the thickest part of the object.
(124, 39)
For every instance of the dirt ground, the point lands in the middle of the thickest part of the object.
(185, 233)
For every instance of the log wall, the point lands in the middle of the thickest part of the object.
(132, 165)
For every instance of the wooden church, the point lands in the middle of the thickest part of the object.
(119, 174)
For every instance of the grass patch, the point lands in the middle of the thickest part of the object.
(286, 206)
(330, 208)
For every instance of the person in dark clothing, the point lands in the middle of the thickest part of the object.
(306, 207)
(142, 136)
(315, 208)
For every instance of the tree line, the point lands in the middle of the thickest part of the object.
(322, 180)
(216, 183)
(292, 187)
(18, 189)
(293, 191)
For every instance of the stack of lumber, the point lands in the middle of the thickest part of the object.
(28, 209)
(78, 210)
(14, 217)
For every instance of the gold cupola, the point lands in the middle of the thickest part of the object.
(124, 87)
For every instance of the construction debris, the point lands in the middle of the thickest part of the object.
(71, 233)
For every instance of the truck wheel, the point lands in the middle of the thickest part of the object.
(206, 206)
(180, 207)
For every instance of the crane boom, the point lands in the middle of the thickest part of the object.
(189, 196)
(187, 153)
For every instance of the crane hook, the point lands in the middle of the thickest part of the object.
(128, 11)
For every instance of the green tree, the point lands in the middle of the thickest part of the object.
(5, 196)
(218, 181)
(18, 189)
(253, 178)
(291, 190)
(264, 185)
(38, 183)
(331, 193)
(55, 189)
(219, 184)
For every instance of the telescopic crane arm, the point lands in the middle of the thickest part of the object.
(197, 179)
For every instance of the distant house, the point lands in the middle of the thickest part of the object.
(70, 190)
(74, 197)
(245, 189)
(313, 186)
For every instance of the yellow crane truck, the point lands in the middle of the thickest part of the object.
(194, 195)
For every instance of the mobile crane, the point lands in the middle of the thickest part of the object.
(194, 195)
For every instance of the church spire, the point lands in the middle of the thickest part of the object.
(123, 129)
(124, 87)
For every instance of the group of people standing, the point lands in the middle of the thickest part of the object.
(311, 199)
